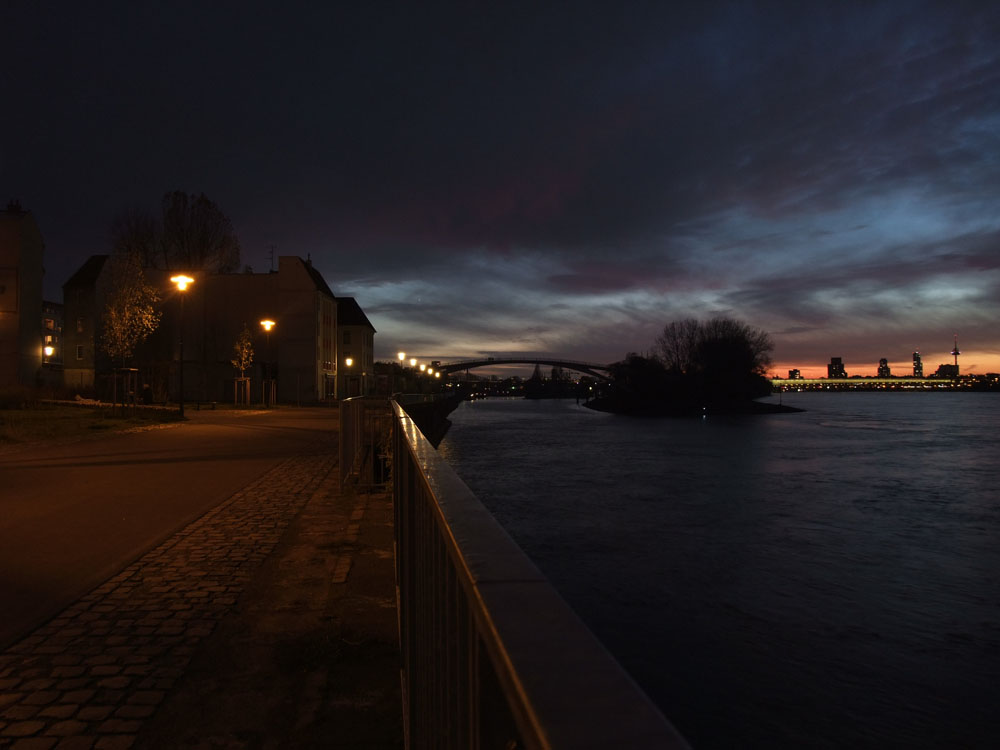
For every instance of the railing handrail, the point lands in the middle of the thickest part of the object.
(561, 686)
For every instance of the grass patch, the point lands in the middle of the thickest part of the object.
(44, 422)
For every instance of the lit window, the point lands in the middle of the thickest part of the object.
(79, 325)
(79, 351)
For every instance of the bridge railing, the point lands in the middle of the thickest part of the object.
(492, 656)
(365, 441)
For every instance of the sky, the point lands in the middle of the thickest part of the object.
(517, 178)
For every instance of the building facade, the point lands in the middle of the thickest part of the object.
(21, 272)
(884, 370)
(299, 351)
(918, 365)
(84, 297)
(836, 368)
(356, 342)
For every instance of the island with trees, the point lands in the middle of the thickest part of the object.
(697, 368)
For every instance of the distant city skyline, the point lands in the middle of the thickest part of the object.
(565, 180)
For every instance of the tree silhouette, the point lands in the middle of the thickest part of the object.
(719, 364)
(192, 234)
(714, 348)
(196, 235)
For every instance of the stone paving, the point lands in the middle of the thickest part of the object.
(89, 678)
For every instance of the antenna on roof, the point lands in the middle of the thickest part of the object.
(270, 255)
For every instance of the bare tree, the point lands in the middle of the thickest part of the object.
(717, 346)
(196, 235)
(130, 315)
(677, 344)
(134, 231)
(731, 346)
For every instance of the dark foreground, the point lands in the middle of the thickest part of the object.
(269, 621)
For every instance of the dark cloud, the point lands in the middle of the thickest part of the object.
(546, 174)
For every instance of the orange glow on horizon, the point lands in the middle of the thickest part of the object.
(971, 363)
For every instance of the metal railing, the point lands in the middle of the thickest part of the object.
(365, 442)
(492, 656)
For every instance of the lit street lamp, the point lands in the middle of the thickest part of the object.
(182, 282)
(413, 361)
(402, 356)
(268, 384)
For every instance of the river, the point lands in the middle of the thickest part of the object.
(823, 579)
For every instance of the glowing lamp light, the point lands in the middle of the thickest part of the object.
(402, 356)
(413, 361)
(49, 351)
(348, 361)
(437, 374)
(182, 281)
(423, 367)
(268, 325)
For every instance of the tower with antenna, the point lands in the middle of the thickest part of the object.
(955, 352)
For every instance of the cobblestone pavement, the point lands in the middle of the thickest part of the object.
(90, 677)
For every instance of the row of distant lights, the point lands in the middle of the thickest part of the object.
(423, 368)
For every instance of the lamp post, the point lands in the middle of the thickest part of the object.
(182, 282)
(268, 395)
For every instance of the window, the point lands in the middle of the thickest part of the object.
(79, 326)
(347, 338)
(79, 351)
(50, 324)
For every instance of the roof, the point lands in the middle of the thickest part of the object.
(87, 274)
(317, 277)
(349, 313)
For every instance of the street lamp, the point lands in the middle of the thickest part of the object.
(402, 356)
(423, 367)
(413, 361)
(268, 384)
(348, 361)
(182, 282)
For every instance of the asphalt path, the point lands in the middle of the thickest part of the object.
(74, 514)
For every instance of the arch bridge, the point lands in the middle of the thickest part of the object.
(589, 368)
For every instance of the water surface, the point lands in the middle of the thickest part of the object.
(824, 579)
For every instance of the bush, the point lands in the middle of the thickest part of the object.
(17, 397)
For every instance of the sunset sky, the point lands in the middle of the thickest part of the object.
(558, 178)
